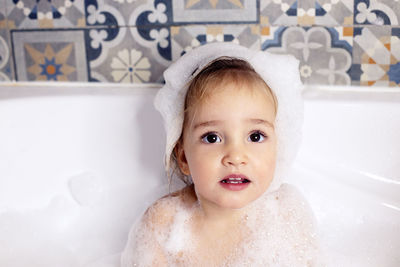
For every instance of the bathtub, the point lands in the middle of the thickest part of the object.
(80, 162)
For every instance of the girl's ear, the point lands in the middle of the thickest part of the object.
(181, 158)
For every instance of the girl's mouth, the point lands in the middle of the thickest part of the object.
(235, 182)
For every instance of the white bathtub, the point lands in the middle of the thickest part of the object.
(78, 163)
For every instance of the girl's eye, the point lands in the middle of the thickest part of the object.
(257, 137)
(210, 138)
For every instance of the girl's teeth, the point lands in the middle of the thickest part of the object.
(237, 179)
(234, 180)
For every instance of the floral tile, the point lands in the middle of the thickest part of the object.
(46, 13)
(377, 12)
(376, 55)
(185, 38)
(283, 13)
(214, 11)
(324, 53)
(5, 56)
(49, 55)
(128, 12)
(128, 55)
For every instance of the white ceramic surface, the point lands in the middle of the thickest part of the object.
(79, 163)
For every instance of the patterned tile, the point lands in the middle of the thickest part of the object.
(376, 55)
(5, 56)
(214, 11)
(128, 12)
(46, 13)
(334, 12)
(5, 49)
(325, 12)
(50, 55)
(152, 12)
(134, 41)
(2, 13)
(306, 12)
(377, 12)
(324, 53)
(128, 55)
(283, 12)
(185, 38)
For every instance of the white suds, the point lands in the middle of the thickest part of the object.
(278, 230)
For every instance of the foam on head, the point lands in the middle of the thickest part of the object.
(280, 73)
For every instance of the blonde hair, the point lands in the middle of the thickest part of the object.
(219, 71)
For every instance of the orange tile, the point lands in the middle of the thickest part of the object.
(265, 31)
(348, 31)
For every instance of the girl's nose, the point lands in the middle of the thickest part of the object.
(235, 155)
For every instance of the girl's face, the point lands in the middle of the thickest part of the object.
(230, 147)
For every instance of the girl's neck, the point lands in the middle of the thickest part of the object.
(213, 215)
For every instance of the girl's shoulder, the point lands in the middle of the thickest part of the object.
(150, 237)
(289, 193)
(162, 212)
(292, 201)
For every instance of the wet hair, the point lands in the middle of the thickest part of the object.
(223, 70)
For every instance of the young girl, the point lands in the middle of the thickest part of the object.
(233, 118)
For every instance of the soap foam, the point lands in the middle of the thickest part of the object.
(277, 230)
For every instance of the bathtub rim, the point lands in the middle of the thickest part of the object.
(13, 90)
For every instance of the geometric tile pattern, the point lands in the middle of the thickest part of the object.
(282, 13)
(324, 57)
(338, 42)
(49, 55)
(228, 11)
(377, 53)
(128, 55)
(46, 14)
(185, 38)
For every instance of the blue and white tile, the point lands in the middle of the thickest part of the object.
(128, 55)
(50, 55)
(324, 57)
(46, 14)
(214, 11)
(186, 38)
(377, 12)
(120, 13)
(103, 13)
(152, 13)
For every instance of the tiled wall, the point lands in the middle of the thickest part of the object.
(341, 42)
